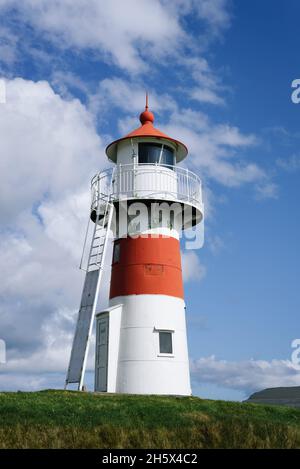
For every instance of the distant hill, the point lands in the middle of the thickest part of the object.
(282, 396)
(66, 419)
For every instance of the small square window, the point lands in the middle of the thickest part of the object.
(165, 342)
(116, 256)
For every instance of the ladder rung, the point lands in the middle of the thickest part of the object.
(97, 247)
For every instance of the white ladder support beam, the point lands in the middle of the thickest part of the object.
(84, 320)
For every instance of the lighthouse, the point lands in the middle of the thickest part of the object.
(145, 201)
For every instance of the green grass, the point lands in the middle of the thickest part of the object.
(68, 419)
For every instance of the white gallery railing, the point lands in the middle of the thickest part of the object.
(146, 181)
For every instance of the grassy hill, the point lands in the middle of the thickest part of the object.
(280, 395)
(66, 419)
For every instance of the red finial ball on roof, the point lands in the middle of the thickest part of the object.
(146, 116)
(146, 130)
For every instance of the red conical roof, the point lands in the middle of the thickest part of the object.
(147, 130)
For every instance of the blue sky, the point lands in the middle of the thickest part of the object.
(219, 76)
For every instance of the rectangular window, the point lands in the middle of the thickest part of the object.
(165, 342)
(116, 256)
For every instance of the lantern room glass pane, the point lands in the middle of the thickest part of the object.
(155, 153)
(165, 342)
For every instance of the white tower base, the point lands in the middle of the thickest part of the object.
(129, 331)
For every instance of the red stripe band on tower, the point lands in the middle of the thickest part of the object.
(146, 266)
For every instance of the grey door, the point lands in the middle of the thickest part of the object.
(102, 353)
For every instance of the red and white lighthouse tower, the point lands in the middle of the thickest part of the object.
(147, 200)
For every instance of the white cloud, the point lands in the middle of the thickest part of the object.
(8, 46)
(215, 12)
(129, 96)
(53, 355)
(125, 33)
(207, 86)
(206, 95)
(63, 81)
(291, 164)
(247, 376)
(213, 149)
(192, 269)
(29, 381)
(63, 221)
(136, 36)
(47, 144)
(215, 244)
(266, 190)
(49, 150)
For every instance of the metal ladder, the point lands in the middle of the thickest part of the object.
(88, 304)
